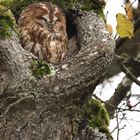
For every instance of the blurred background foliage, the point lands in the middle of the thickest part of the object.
(16, 6)
(7, 22)
(10, 10)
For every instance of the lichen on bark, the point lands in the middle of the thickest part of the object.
(43, 108)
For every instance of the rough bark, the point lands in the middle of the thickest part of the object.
(42, 109)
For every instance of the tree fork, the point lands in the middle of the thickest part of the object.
(42, 109)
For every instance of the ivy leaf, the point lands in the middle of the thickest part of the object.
(125, 27)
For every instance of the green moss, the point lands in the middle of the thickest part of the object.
(7, 22)
(94, 114)
(106, 131)
(41, 68)
(16, 6)
(6, 3)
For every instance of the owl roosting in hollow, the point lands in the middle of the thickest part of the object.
(43, 31)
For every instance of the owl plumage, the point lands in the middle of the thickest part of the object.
(43, 32)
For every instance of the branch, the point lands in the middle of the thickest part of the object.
(119, 94)
(128, 73)
(112, 108)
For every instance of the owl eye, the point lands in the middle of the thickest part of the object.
(46, 19)
(47, 22)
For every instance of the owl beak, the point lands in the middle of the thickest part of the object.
(50, 25)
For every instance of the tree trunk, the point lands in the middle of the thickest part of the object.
(43, 109)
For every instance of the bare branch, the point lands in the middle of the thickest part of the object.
(119, 95)
(128, 73)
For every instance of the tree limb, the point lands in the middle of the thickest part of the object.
(119, 94)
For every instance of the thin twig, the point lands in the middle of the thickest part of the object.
(136, 104)
(117, 120)
(119, 108)
(116, 126)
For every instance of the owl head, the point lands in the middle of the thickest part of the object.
(45, 14)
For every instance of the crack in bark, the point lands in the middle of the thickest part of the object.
(14, 104)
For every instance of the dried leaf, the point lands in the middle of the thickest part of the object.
(125, 27)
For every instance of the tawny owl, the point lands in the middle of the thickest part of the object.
(43, 31)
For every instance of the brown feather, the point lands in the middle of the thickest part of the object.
(43, 31)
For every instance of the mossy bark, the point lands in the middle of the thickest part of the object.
(43, 109)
